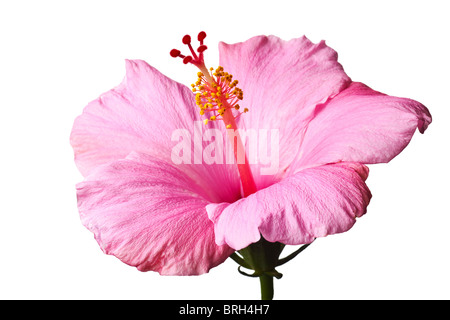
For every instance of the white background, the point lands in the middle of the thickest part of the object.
(56, 56)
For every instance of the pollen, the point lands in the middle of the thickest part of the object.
(216, 92)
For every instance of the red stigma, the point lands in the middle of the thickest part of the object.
(175, 53)
(201, 36)
(187, 39)
(187, 59)
(195, 59)
(202, 48)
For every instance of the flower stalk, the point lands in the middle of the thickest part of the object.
(266, 282)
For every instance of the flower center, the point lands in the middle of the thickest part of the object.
(217, 96)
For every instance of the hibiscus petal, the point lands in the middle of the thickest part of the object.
(125, 118)
(315, 202)
(142, 114)
(150, 215)
(283, 81)
(361, 125)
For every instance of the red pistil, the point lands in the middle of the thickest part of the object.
(195, 59)
(217, 96)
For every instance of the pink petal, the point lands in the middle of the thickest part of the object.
(150, 215)
(283, 81)
(313, 203)
(361, 125)
(140, 115)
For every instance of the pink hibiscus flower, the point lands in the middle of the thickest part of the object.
(183, 219)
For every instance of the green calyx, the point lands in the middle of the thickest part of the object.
(263, 257)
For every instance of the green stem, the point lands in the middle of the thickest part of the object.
(266, 282)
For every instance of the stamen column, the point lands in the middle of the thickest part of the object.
(219, 96)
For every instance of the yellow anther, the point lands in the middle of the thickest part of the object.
(216, 94)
